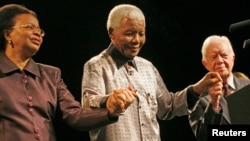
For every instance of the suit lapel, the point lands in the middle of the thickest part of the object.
(223, 104)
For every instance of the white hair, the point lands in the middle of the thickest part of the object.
(119, 12)
(212, 39)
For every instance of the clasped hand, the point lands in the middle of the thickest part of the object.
(216, 92)
(211, 82)
(120, 99)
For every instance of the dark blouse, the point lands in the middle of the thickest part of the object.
(29, 100)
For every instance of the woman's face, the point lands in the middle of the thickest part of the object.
(25, 35)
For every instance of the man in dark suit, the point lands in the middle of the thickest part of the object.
(217, 56)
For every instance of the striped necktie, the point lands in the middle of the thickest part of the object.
(226, 90)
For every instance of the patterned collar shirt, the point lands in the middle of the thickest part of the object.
(110, 70)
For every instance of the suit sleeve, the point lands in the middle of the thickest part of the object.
(202, 116)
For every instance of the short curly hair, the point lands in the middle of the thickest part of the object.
(121, 11)
(7, 14)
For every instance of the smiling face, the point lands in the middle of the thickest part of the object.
(25, 35)
(219, 57)
(129, 37)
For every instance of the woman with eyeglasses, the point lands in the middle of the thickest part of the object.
(30, 92)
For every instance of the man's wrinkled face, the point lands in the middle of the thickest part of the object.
(219, 58)
(129, 37)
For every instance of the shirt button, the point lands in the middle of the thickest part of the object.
(30, 104)
(37, 137)
(36, 130)
(30, 111)
(24, 81)
(24, 76)
(29, 98)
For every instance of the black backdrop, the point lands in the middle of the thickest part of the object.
(76, 30)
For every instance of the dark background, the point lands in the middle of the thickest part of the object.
(76, 30)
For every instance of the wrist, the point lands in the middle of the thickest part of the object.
(113, 116)
(215, 105)
(197, 89)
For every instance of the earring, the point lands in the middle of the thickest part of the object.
(10, 42)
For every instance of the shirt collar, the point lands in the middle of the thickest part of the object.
(119, 58)
(7, 66)
(231, 82)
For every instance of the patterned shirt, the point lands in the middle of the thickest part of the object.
(108, 71)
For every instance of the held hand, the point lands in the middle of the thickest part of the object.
(210, 79)
(215, 93)
(120, 99)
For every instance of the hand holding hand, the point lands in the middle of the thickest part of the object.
(215, 93)
(210, 79)
(120, 99)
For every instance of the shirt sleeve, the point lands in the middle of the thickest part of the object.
(192, 98)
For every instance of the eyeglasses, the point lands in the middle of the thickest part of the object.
(31, 27)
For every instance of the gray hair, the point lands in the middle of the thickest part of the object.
(119, 12)
(215, 38)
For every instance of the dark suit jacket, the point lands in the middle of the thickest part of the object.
(29, 100)
(204, 114)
